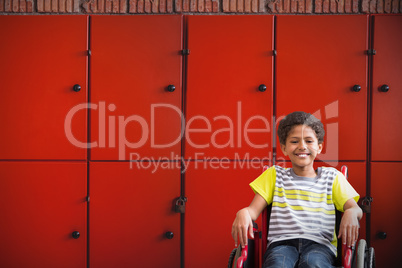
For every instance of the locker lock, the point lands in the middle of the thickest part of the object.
(76, 87)
(75, 234)
(262, 88)
(171, 88)
(365, 204)
(384, 88)
(356, 88)
(180, 206)
(169, 235)
(382, 235)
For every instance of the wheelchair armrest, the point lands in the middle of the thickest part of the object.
(347, 258)
(246, 258)
(243, 257)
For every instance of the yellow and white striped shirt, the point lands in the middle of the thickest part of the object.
(304, 207)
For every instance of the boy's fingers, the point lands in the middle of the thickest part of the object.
(251, 230)
(244, 231)
(356, 235)
(343, 236)
(234, 234)
(238, 237)
(241, 241)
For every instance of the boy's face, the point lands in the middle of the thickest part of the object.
(302, 146)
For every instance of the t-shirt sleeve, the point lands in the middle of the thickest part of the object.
(342, 191)
(264, 185)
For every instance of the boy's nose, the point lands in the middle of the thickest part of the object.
(302, 145)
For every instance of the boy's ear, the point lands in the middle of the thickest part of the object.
(283, 148)
(320, 146)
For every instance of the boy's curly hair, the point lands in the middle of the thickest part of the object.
(300, 118)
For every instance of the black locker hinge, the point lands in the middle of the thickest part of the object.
(88, 199)
(180, 204)
(274, 52)
(185, 52)
(365, 204)
(371, 52)
(89, 52)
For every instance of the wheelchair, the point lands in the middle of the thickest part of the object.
(252, 257)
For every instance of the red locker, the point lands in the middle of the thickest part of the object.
(216, 190)
(386, 235)
(320, 59)
(136, 87)
(43, 205)
(387, 85)
(386, 117)
(132, 222)
(42, 112)
(229, 96)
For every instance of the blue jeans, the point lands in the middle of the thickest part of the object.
(301, 253)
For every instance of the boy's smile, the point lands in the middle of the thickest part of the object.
(302, 155)
(302, 148)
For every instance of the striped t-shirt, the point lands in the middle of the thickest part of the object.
(304, 207)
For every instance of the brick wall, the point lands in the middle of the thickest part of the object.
(201, 6)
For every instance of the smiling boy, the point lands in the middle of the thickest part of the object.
(304, 200)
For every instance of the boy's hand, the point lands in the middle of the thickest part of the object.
(242, 226)
(349, 228)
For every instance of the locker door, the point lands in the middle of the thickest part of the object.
(386, 235)
(216, 191)
(134, 60)
(131, 210)
(42, 58)
(42, 205)
(387, 89)
(229, 87)
(319, 61)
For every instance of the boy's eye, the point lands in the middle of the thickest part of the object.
(309, 141)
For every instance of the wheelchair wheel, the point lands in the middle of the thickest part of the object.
(231, 258)
(361, 254)
(371, 258)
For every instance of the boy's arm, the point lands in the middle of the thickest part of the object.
(243, 223)
(349, 228)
